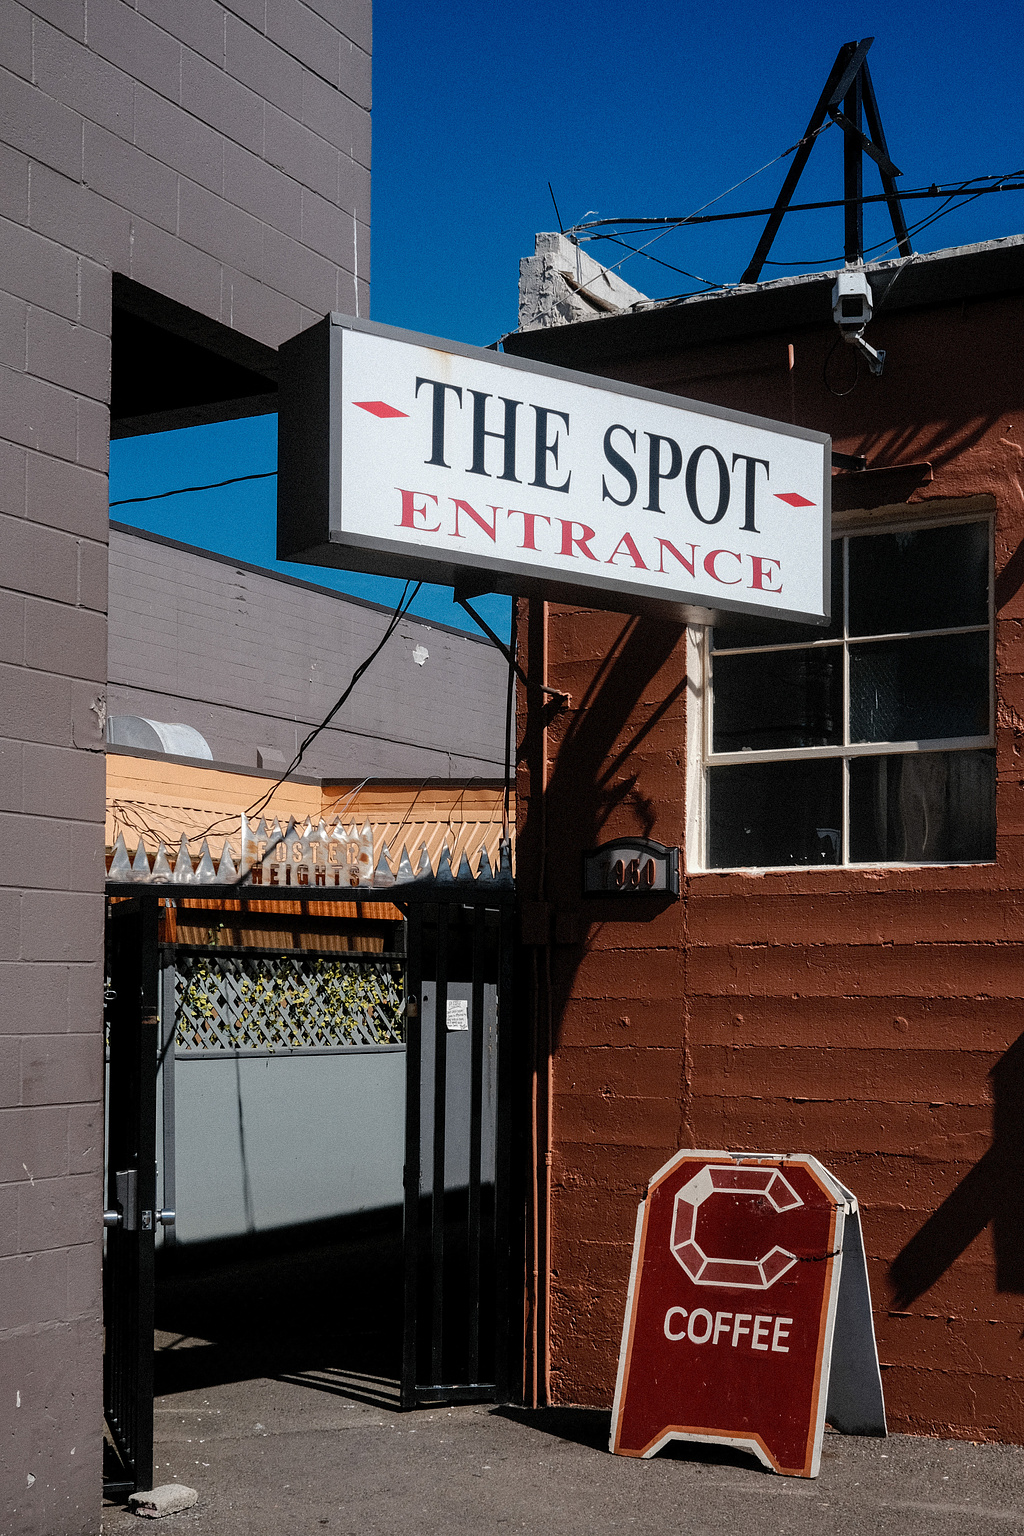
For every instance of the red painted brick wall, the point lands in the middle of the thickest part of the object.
(872, 1018)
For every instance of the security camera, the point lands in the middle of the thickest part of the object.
(851, 311)
(851, 301)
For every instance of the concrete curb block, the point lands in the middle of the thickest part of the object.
(169, 1499)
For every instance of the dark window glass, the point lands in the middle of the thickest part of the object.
(919, 690)
(774, 699)
(743, 631)
(769, 814)
(931, 578)
(922, 808)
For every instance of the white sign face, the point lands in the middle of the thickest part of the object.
(529, 478)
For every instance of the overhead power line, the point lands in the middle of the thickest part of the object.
(402, 608)
(183, 490)
(260, 804)
(935, 190)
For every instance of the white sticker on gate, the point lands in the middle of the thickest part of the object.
(458, 1013)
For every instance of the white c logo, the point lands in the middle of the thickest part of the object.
(730, 1179)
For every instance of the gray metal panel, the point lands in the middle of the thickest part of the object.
(268, 1142)
(458, 1062)
(252, 661)
(855, 1402)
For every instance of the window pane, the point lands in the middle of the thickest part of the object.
(768, 814)
(922, 808)
(919, 690)
(743, 631)
(931, 578)
(773, 699)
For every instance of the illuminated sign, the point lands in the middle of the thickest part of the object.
(407, 456)
(748, 1318)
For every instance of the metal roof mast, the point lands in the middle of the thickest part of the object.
(848, 99)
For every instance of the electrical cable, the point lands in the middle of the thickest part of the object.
(260, 804)
(402, 608)
(509, 704)
(660, 236)
(888, 243)
(940, 213)
(892, 245)
(914, 229)
(183, 490)
(937, 190)
(641, 252)
(839, 393)
(766, 167)
(675, 219)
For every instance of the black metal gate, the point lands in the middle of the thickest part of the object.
(131, 1216)
(458, 1233)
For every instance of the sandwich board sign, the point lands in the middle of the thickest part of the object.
(748, 1318)
(404, 455)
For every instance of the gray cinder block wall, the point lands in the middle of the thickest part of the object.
(190, 641)
(219, 154)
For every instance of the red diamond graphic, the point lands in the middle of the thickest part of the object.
(794, 499)
(378, 408)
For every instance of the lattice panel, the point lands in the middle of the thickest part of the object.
(248, 1003)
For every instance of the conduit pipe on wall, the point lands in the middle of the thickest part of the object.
(534, 1296)
(547, 1043)
(541, 1094)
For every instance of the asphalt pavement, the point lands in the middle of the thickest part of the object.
(326, 1453)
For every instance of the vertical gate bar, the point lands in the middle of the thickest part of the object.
(413, 1090)
(478, 1027)
(132, 1047)
(119, 1267)
(437, 1188)
(168, 1031)
(111, 1400)
(148, 1055)
(503, 1156)
(129, 1265)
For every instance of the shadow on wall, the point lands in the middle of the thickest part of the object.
(990, 1193)
(591, 780)
(1010, 579)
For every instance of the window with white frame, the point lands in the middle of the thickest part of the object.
(869, 742)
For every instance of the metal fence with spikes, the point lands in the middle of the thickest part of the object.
(317, 861)
(438, 1003)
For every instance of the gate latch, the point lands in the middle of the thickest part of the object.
(126, 1214)
(126, 1209)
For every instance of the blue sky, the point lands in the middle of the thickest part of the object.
(241, 520)
(652, 109)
